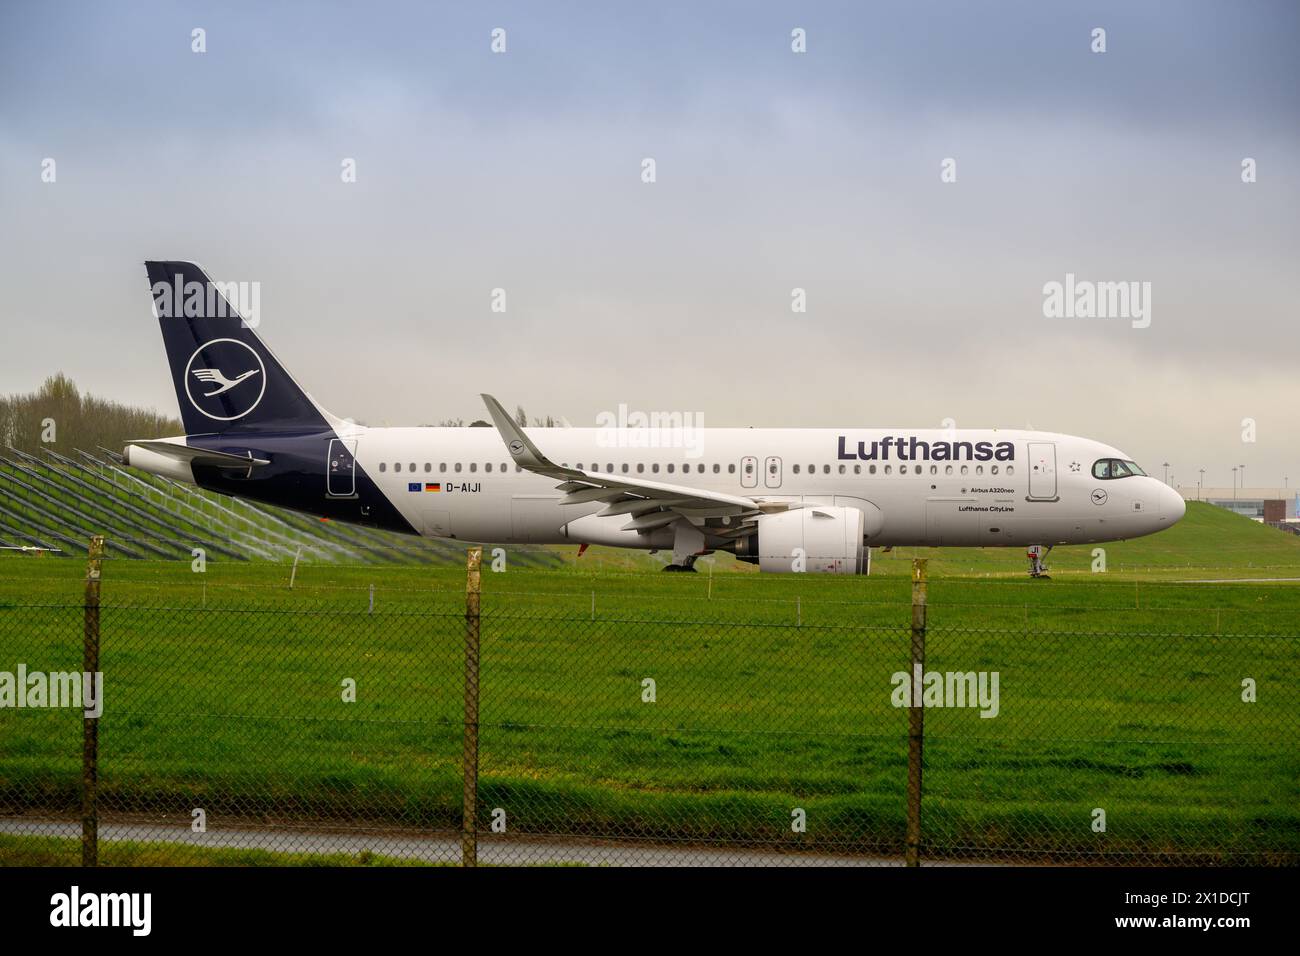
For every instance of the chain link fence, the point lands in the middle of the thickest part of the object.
(306, 732)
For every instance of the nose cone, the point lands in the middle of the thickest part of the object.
(1172, 506)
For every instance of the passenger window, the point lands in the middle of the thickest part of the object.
(412, 466)
(383, 466)
(717, 468)
(857, 469)
(947, 469)
(965, 469)
(670, 468)
(397, 466)
(993, 470)
(473, 466)
(640, 468)
(428, 467)
(655, 468)
(625, 468)
(871, 468)
(979, 469)
(934, 469)
(731, 469)
(887, 471)
(1011, 469)
(488, 466)
(842, 469)
(457, 468)
(442, 466)
(795, 469)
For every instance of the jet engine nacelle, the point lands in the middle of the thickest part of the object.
(816, 538)
(591, 529)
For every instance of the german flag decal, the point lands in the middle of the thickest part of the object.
(433, 486)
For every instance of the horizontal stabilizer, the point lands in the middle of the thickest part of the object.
(185, 455)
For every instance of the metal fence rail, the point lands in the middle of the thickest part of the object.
(318, 733)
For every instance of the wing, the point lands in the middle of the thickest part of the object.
(648, 504)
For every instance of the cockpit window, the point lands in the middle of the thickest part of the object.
(1105, 468)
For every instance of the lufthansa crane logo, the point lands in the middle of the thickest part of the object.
(516, 447)
(1099, 497)
(225, 379)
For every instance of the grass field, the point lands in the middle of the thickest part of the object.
(1120, 691)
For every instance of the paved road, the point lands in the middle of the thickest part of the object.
(1243, 581)
(434, 849)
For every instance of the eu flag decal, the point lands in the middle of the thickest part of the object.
(413, 486)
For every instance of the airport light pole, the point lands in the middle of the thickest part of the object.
(1200, 481)
(1234, 482)
(1166, 473)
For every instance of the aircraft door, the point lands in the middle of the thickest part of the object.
(772, 472)
(1042, 471)
(749, 472)
(340, 469)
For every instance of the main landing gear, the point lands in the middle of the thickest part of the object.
(1037, 555)
(687, 565)
(688, 545)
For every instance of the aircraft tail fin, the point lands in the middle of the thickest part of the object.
(226, 379)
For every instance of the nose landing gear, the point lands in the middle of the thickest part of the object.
(1037, 555)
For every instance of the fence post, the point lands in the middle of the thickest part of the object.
(916, 714)
(90, 725)
(469, 759)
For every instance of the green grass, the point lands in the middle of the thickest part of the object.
(1119, 691)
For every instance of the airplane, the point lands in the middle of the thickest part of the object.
(786, 499)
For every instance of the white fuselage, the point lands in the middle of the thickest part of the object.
(1036, 487)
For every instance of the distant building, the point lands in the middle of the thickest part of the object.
(1271, 505)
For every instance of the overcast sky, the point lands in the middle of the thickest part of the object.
(775, 170)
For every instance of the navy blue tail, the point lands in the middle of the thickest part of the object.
(226, 379)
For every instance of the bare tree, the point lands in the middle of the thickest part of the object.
(58, 416)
